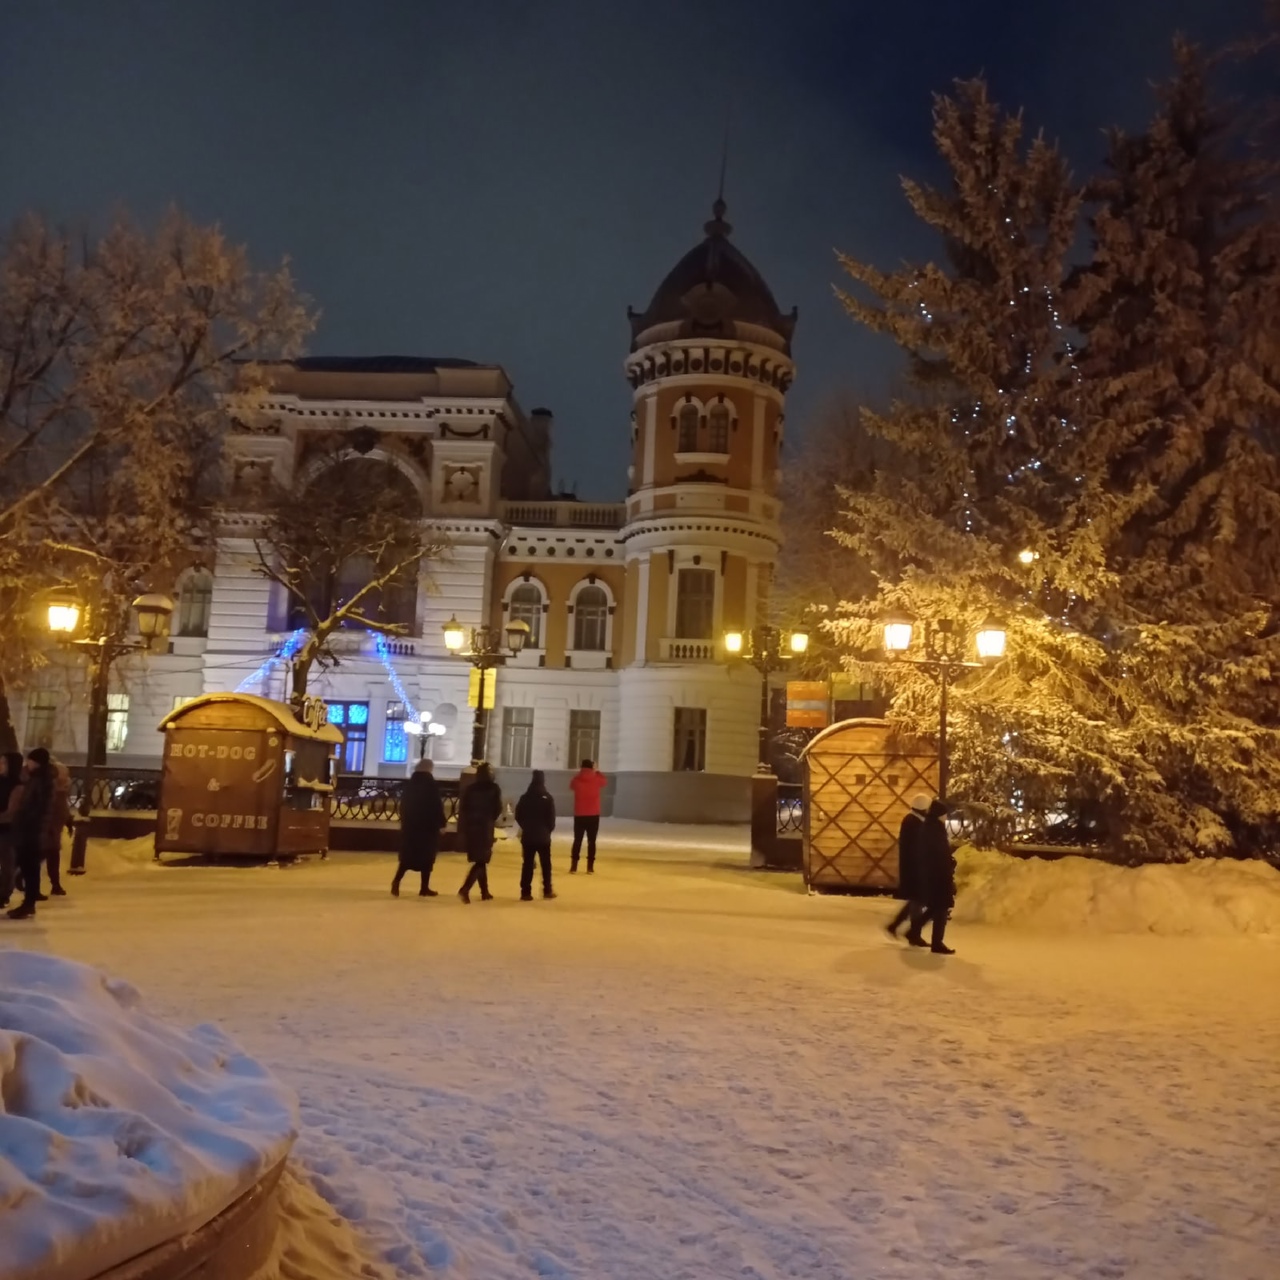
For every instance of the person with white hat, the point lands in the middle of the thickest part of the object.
(910, 872)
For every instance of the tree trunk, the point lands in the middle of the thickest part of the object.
(8, 734)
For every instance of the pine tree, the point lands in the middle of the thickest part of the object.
(1115, 421)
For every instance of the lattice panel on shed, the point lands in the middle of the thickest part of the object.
(859, 785)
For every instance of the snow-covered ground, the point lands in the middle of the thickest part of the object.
(117, 1132)
(684, 1070)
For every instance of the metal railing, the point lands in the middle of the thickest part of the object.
(118, 789)
(672, 650)
(378, 799)
(790, 808)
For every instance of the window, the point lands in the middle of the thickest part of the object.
(353, 576)
(517, 737)
(690, 753)
(526, 606)
(695, 604)
(42, 714)
(718, 428)
(194, 599)
(395, 742)
(352, 718)
(181, 699)
(584, 737)
(688, 442)
(590, 618)
(117, 720)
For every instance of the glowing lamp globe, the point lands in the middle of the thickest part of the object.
(733, 642)
(518, 633)
(990, 640)
(454, 635)
(897, 632)
(64, 615)
(1028, 556)
(799, 642)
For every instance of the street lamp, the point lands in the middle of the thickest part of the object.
(768, 649)
(65, 610)
(484, 654)
(943, 657)
(420, 729)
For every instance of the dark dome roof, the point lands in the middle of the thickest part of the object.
(710, 288)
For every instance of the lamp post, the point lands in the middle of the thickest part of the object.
(152, 612)
(484, 654)
(424, 729)
(768, 649)
(943, 657)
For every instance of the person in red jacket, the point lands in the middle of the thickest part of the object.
(586, 785)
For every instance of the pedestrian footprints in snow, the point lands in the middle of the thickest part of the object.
(926, 875)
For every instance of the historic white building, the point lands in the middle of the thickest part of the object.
(626, 603)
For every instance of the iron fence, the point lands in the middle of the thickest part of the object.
(118, 789)
(790, 808)
(378, 799)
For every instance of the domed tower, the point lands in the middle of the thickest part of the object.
(709, 368)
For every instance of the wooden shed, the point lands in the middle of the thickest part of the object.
(859, 777)
(243, 776)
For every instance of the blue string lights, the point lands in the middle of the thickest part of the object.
(292, 643)
(384, 655)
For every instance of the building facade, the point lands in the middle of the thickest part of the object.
(626, 603)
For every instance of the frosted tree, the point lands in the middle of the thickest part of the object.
(122, 359)
(1115, 421)
(346, 541)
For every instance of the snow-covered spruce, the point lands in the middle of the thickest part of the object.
(118, 1132)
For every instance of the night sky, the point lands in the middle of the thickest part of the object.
(499, 181)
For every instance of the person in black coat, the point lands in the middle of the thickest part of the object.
(10, 791)
(910, 880)
(478, 811)
(536, 814)
(28, 827)
(421, 820)
(938, 868)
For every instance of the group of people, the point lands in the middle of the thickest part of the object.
(35, 806)
(422, 818)
(926, 875)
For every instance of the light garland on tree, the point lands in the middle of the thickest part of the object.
(384, 655)
(289, 647)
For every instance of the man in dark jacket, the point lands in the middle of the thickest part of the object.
(938, 867)
(29, 825)
(478, 810)
(421, 820)
(910, 888)
(536, 814)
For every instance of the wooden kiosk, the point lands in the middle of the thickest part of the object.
(859, 777)
(244, 777)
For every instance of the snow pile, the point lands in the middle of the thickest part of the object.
(1207, 898)
(117, 1131)
(119, 857)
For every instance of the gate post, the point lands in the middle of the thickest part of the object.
(764, 819)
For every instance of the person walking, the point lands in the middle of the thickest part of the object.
(938, 870)
(910, 880)
(478, 811)
(57, 819)
(536, 815)
(421, 820)
(586, 785)
(10, 798)
(28, 828)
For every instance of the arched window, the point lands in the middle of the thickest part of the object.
(688, 442)
(590, 618)
(195, 595)
(718, 428)
(526, 606)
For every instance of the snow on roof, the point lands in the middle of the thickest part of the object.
(118, 1132)
(281, 712)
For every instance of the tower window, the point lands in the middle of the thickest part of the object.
(526, 606)
(194, 599)
(689, 752)
(590, 619)
(695, 604)
(718, 428)
(688, 429)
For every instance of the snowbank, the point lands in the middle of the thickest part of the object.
(117, 1132)
(119, 857)
(1209, 897)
